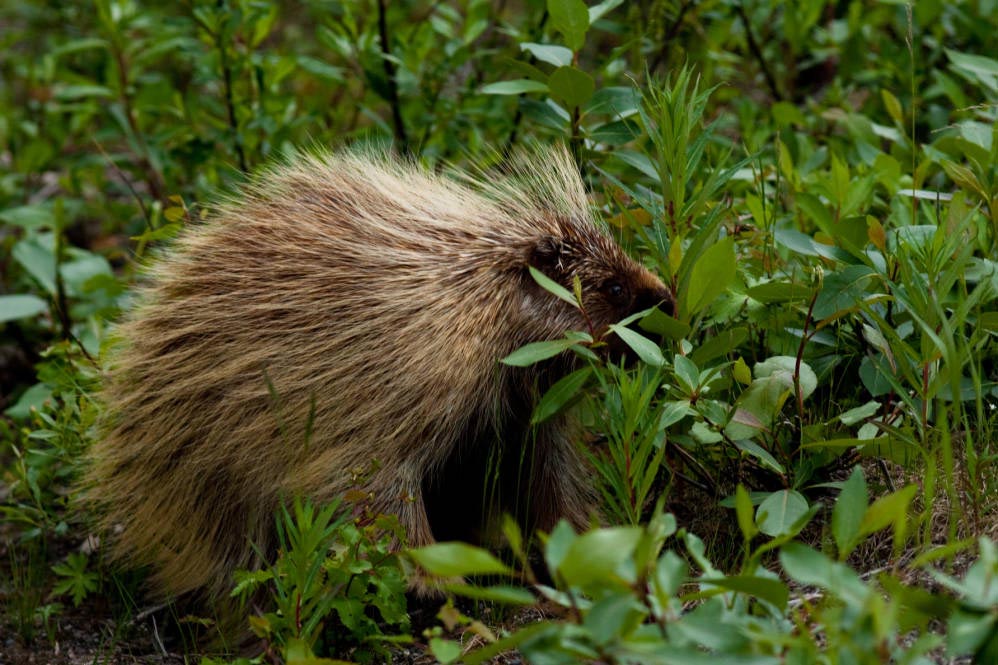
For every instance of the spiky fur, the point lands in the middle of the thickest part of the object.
(373, 298)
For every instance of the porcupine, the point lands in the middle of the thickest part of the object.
(374, 299)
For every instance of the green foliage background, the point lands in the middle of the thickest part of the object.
(817, 181)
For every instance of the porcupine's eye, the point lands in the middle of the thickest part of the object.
(614, 291)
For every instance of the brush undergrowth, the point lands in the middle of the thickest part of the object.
(817, 182)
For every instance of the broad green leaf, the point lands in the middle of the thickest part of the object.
(457, 560)
(571, 87)
(515, 87)
(783, 368)
(36, 256)
(843, 291)
(780, 512)
(670, 574)
(713, 272)
(673, 412)
(982, 68)
(847, 515)
(721, 344)
(687, 372)
(600, 556)
(559, 56)
(21, 307)
(860, 413)
(613, 617)
(768, 589)
(617, 101)
(445, 651)
(558, 543)
(33, 216)
(779, 291)
(571, 19)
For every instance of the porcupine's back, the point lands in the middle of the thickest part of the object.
(365, 291)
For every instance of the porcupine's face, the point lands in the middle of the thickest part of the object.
(614, 286)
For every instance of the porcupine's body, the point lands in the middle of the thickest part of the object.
(374, 300)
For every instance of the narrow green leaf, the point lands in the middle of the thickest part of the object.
(553, 287)
(457, 560)
(743, 510)
(515, 87)
(537, 351)
(848, 513)
(646, 349)
(560, 394)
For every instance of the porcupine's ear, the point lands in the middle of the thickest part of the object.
(546, 255)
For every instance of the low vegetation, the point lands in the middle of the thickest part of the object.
(798, 467)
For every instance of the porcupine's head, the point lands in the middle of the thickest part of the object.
(545, 196)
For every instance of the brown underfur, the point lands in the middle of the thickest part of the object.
(384, 296)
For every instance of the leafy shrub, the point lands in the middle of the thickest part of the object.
(336, 584)
(627, 594)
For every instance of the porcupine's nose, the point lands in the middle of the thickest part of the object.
(658, 296)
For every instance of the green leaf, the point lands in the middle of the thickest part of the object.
(743, 510)
(982, 68)
(808, 566)
(843, 291)
(783, 369)
(560, 394)
(33, 216)
(723, 343)
(74, 92)
(598, 11)
(507, 595)
(646, 349)
(553, 287)
(848, 513)
(21, 307)
(614, 617)
(559, 56)
(713, 272)
(779, 513)
(860, 413)
(765, 458)
(768, 589)
(558, 543)
(457, 560)
(445, 651)
(571, 87)
(515, 87)
(571, 19)
(537, 351)
(887, 510)
(37, 258)
(600, 556)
